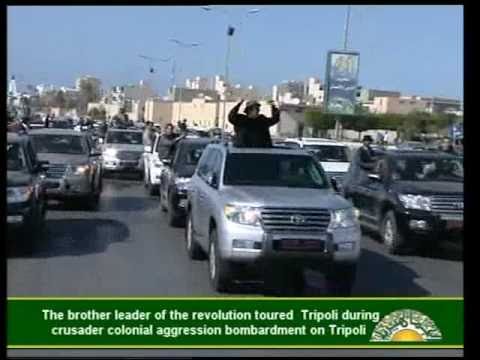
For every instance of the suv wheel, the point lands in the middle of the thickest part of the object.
(218, 269)
(173, 219)
(162, 201)
(193, 249)
(340, 280)
(391, 234)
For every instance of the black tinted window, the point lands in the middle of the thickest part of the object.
(59, 144)
(274, 170)
(427, 169)
(187, 158)
(15, 157)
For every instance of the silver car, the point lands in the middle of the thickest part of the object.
(74, 169)
(123, 151)
(265, 207)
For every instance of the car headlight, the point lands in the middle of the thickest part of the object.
(182, 183)
(245, 215)
(418, 202)
(110, 152)
(19, 194)
(82, 169)
(343, 218)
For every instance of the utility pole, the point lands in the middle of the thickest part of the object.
(230, 32)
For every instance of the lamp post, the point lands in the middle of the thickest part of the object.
(180, 44)
(230, 32)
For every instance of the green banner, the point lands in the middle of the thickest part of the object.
(235, 322)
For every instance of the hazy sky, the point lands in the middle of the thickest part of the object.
(413, 49)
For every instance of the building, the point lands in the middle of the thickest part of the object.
(289, 92)
(368, 95)
(397, 105)
(314, 91)
(93, 81)
(200, 112)
(187, 95)
(439, 105)
(42, 89)
(198, 83)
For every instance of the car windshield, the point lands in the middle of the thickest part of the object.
(274, 170)
(15, 158)
(328, 153)
(188, 159)
(59, 144)
(125, 137)
(428, 169)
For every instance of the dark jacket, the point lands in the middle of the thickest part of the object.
(366, 158)
(253, 132)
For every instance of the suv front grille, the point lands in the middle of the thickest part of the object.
(129, 155)
(447, 204)
(56, 171)
(308, 220)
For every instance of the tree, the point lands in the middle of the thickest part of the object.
(319, 121)
(60, 100)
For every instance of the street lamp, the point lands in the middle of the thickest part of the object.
(230, 32)
(181, 44)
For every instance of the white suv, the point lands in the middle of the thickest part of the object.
(334, 156)
(154, 165)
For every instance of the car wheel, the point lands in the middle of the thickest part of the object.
(341, 279)
(218, 269)
(193, 249)
(145, 179)
(391, 234)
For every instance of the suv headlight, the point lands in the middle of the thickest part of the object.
(343, 218)
(418, 202)
(19, 194)
(245, 215)
(82, 169)
(110, 152)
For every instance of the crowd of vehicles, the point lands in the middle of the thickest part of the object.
(251, 212)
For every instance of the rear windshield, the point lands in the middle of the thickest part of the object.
(15, 157)
(428, 169)
(60, 144)
(274, 170)
(188, 159)
(328, 153)
(125, 137)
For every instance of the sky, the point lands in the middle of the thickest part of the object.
(417, 50)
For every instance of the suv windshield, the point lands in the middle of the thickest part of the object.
(328, 153)
(188, 159)
(427, 169)
(60, 144)
(15, 158)
(125, 137)
(274, 170)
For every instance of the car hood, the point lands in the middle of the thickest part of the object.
(18, 178)
(128, 147)
(284, 197)
(335, 166)
(63, 158)
(429, 187)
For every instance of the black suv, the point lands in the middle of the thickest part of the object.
(175, 179)
(26, 200)
(413, 197)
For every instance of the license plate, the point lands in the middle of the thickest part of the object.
(300, 244)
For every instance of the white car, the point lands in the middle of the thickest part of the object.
(154, 161)
(334, 156)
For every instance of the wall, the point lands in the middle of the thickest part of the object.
(394, 105)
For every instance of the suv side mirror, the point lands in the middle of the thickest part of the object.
(212, 180)
(148, 149)
(375, 177)
(95, 153)
(335, 186)
(166, 161)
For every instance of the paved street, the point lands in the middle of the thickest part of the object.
(128, 249)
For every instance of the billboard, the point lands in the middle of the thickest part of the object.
(341, 81)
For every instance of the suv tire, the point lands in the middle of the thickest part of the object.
(340, 280)
(391, 234)
(194, 251)
(218, 270)
(173, 220)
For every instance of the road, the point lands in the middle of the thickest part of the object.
(127, 249)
